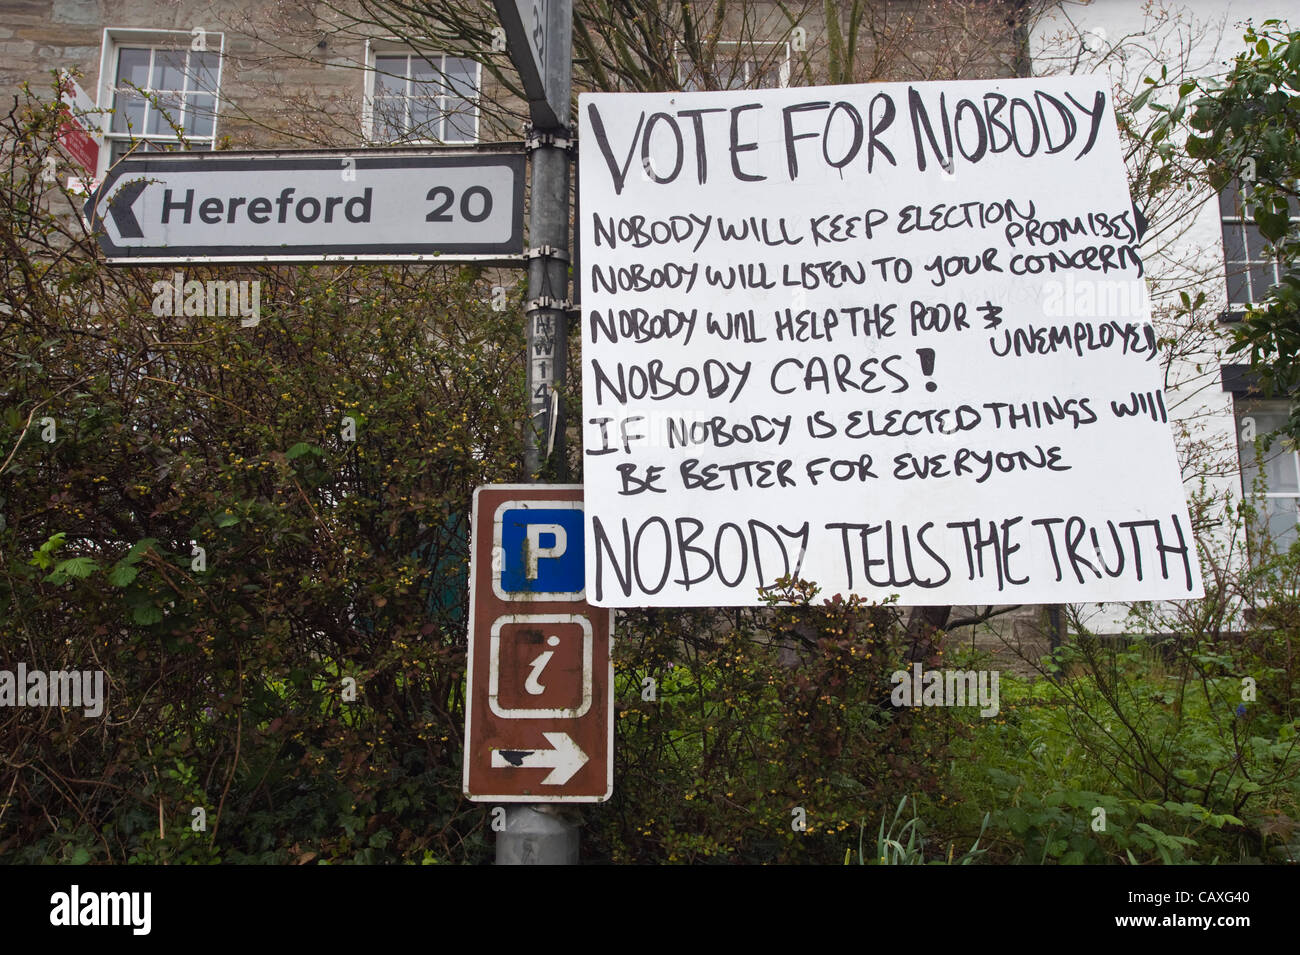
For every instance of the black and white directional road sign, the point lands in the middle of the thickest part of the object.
(541, 49)
(450, 204)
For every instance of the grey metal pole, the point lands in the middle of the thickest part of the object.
(548, 268)
(544, 834)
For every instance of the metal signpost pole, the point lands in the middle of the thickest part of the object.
(540, 38)
(550, 48)
(547, 307)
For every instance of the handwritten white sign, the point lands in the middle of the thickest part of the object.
(892, 339)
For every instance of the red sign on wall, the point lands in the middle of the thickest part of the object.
(74, 133)
(540, 686)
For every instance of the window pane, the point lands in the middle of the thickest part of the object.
(119, 149)
(1265, 420)
(390, 75)
(424, 68)
(770, 78)
(731, 73)
(459, 122)
(424, 118)
(390, 118)
(203, 71)
(1280, 468)
(1234, 243)
(1261, 280)
(1238, 290)
(128, 113)
(169, 70)
(686, 77)
(163, 114)
(1257, 246)
(1280, 515)
(133, 68)
(199, 115)
(460, 76)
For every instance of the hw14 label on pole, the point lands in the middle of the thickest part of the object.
(540, 687)
(450, 204)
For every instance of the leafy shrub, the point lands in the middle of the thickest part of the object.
(762, 719)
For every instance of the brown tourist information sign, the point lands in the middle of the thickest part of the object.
(539, 713)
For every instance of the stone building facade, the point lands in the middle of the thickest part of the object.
(168, 74)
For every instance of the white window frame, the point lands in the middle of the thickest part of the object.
(118, 38)
(1241, 221)
(735, 47)
(394, 46)
(1282, 445)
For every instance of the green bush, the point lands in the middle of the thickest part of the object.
(323, 558)
(762, 719)
(1137, 752)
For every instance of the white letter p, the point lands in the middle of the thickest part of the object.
(536, 551)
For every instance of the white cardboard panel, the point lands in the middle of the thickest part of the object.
(808, 347)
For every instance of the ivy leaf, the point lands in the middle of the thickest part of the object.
(138, 549)
(122, 574)
(227, 519)
(301, 448)
(44, 557)
(1272, 224)
(146, 614)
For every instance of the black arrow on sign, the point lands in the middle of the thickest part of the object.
(119, 209)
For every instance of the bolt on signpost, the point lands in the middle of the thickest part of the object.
(539, 36)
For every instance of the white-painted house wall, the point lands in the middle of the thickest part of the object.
(1131, 40)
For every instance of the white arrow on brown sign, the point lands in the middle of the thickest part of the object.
(564, 758)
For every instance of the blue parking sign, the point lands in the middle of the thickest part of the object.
(541, 551)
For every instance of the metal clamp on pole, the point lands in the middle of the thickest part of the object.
(560, 139)
(545, 302)
(547, 252)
